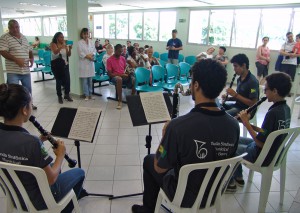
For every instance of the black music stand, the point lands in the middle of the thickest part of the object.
(138, 118)
(62, 127)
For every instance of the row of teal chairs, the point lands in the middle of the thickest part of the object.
(188, 59)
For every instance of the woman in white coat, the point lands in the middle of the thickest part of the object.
(86, 51)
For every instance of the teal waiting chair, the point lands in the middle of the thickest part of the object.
(191, 60)
(180, 58)
(158, 76)
(41, 60)
(100, 77)
(142, 79)
(156, 54)
(184, 73)
(47, 67)
(164, 57)
(99, 57)
(172, 77)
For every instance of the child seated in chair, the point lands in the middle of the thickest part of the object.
(277, 87)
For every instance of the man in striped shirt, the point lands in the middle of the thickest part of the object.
(14, 47)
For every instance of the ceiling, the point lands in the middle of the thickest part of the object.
(13, 8)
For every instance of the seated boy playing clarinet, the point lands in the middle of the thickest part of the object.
(277, 87)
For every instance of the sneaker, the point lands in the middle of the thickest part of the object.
(231, 188)
(91, 97)
(86, 98)
(239, 181)
(60, 100)
(82, 194)
(34, 107)
(119, 106)
(68, 98)
(139, 209)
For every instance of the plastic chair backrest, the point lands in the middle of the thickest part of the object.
(164, 57)
(184, 69)
(97, 67)
(290, 135)
(158, 73)
(190, 60)
(47, 59)
(180, 58)
(172, 71)
(216, 176)
(156, 54)
(142, 75)
(43, 185)
(41, 53)
(162, 63)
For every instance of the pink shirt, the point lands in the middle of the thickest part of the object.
(297, 46)
(265, 52)
(116, 65)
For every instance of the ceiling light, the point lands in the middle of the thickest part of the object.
(36, 4)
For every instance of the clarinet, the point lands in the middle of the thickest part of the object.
(254, 106)
(176, 101)
(72, 163)
(231, 83)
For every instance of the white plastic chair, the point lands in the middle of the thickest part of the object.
(297, 101)
(226, 168)
(254, 119)
(278, 162)
(43, 184)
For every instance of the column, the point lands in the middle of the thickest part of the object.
(77, 18)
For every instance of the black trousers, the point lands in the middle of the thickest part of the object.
(152, 183)
(289, 69)
(63, 80)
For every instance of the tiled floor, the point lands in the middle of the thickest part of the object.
(113, 162)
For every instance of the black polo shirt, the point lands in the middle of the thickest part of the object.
(248, 88)
(277, 117)
(199, 136)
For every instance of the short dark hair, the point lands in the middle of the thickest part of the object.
(84, 30)
(240, 59)
(118, 46)
(130, 50)
(265, 37)
(174, 31)
(288, 33)
(13, 97)
(211, 77)
(223, 48)
(280, 81)
(298, 35)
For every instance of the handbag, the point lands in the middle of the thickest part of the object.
(58, 67)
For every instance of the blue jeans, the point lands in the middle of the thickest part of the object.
(71, 179)
(13, 78)
(232, 109)
(87, 84)
(173, 61)
(246, 145)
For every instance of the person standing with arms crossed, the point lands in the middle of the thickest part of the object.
(14, 47)
(173, 46)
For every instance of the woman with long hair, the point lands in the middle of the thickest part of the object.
(59, 50)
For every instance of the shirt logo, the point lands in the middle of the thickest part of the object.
(253, 91)
(201, 153)
(162, 151)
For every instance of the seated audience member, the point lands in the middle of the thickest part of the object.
(116, 65)
(152, 60)
(143, 59)
(98, 46)
(136, 47)
(247, 92)
(36, 42)
(16, 109)
(124, 51)
(208, 54)
(202, 127)
(106, 43)
(109, 52)
(132, 58)
(277, 87)
(221, 57)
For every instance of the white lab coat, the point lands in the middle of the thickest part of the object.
(86, 67)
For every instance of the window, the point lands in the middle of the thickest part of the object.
(245, 28)
(109, 26)
(167, 22)
(31, 26)
(151, 26)
(52, 25)
(135, 26)
(296, 25)
(98, 26)
(5, 25)
(220, 27)
(198, 26)
(122, 26)
(275, 30)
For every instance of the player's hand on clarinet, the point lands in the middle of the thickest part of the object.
(60, 150)
(231, 92)
(43, 138)
(244, 116)
(223, 97)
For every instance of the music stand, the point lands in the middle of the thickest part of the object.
(138, 118)
(62, 127)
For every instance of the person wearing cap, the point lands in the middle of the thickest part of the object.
(221, 57)
(174, 45)
(204, 55)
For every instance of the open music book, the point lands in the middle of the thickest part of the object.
(155, 107)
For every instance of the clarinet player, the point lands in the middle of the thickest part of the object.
(247, 92)
(277, 87)
(16, 108)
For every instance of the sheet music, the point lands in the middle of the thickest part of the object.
(155, 107)
(84, 124)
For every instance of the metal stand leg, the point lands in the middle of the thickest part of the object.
(77, 144)
(148, 146)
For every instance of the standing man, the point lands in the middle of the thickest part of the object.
(289, 62)
(116, 65)
(247, 92)
(174, 45)
(14, 47)
(197, 137)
